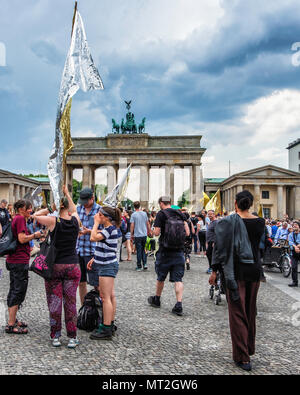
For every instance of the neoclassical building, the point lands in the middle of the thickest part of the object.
(275, 188)
(14, 187)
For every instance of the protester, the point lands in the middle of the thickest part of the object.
(5, 217)
(169, 258)
(85, 248)
(282, 233)
(236, 250)
(195, 221)
(201, 230)
(294, 243)
(140, 228)
(106, 264)
(61, 289)
(210, 238)
(126, 218)
(17, 264)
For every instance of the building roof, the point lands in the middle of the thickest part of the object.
(214, 180)
(294, 143)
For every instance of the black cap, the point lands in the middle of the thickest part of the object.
(85, 195)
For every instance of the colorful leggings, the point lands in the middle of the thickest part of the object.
(60, 289)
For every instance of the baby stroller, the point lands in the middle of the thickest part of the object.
(217, 290)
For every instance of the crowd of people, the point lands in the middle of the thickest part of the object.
(89, 240)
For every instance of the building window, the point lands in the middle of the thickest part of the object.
(267, 212)
(299, 168)
(265, 195)
(298, 155)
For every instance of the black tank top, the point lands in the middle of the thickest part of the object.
(65, 241)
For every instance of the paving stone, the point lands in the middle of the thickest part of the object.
(153, 341)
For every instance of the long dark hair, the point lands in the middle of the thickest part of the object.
(22, 203)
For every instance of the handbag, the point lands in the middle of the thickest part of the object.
(8, 243)
(44, 261)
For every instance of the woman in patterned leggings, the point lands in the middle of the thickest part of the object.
(62, 288)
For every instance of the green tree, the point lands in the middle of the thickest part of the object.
(77, 186)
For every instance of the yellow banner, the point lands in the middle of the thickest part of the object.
(215, 203)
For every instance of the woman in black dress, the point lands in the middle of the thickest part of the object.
(242, 310)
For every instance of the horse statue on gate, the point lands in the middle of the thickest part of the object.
(142, 126)
(115, 126)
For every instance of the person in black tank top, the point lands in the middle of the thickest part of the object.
(62, 288)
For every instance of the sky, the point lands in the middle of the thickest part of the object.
(228, 70)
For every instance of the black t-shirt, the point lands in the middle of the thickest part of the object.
(194, 221)
(210, 232)
(66, 238)
(160, 222)
(252, 272)
(4, 216)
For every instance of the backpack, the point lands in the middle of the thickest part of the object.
(8, 243)
(174, 234)
(90, 314)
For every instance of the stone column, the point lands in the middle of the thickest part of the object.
(11, 198)
(111, 178)
(172, 182)
(292, 201)
(86, 177)
(280, 208)
(192, 192)
(167, 181)
(144, 186)
(198, 185)
(22, 191)
(69, 178)
(239, 189)
(297, 202)
(17, 193)
(256, 198)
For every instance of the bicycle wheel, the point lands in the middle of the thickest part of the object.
(286, 265)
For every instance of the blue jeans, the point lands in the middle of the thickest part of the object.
(140, 243)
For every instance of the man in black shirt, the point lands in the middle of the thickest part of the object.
(4, 214)
(169, 260)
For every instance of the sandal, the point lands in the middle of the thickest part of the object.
(21, 324)
(16, 330)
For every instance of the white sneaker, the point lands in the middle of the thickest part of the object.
(73, 343)
(55, 342)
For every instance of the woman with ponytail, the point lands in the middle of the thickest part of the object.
(61, 289)
(105, 262)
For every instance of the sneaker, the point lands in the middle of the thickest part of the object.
(114, 329)
(152, 300)
(102, 333)
(55, 342)
(177, 310)
(73, 343)
(209, 271)
(188, 266)
(138, 269)
(293, 285)
(145, 267)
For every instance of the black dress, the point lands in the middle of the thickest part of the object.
(252, 272)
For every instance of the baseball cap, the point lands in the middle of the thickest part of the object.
(85, 195)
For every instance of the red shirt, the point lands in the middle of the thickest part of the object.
(22, 253)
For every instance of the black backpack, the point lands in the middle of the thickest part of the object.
(90, 314)
(174, 234)
(8, 243)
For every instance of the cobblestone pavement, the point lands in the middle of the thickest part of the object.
(153, 341)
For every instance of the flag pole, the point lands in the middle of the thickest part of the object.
(65, 160)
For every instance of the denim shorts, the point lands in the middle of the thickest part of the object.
(108, 270)
(90, 276)
(169, 262)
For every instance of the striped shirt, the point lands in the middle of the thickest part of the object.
(106, 249)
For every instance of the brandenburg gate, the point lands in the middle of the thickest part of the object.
(130, 144)
(144, 152)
